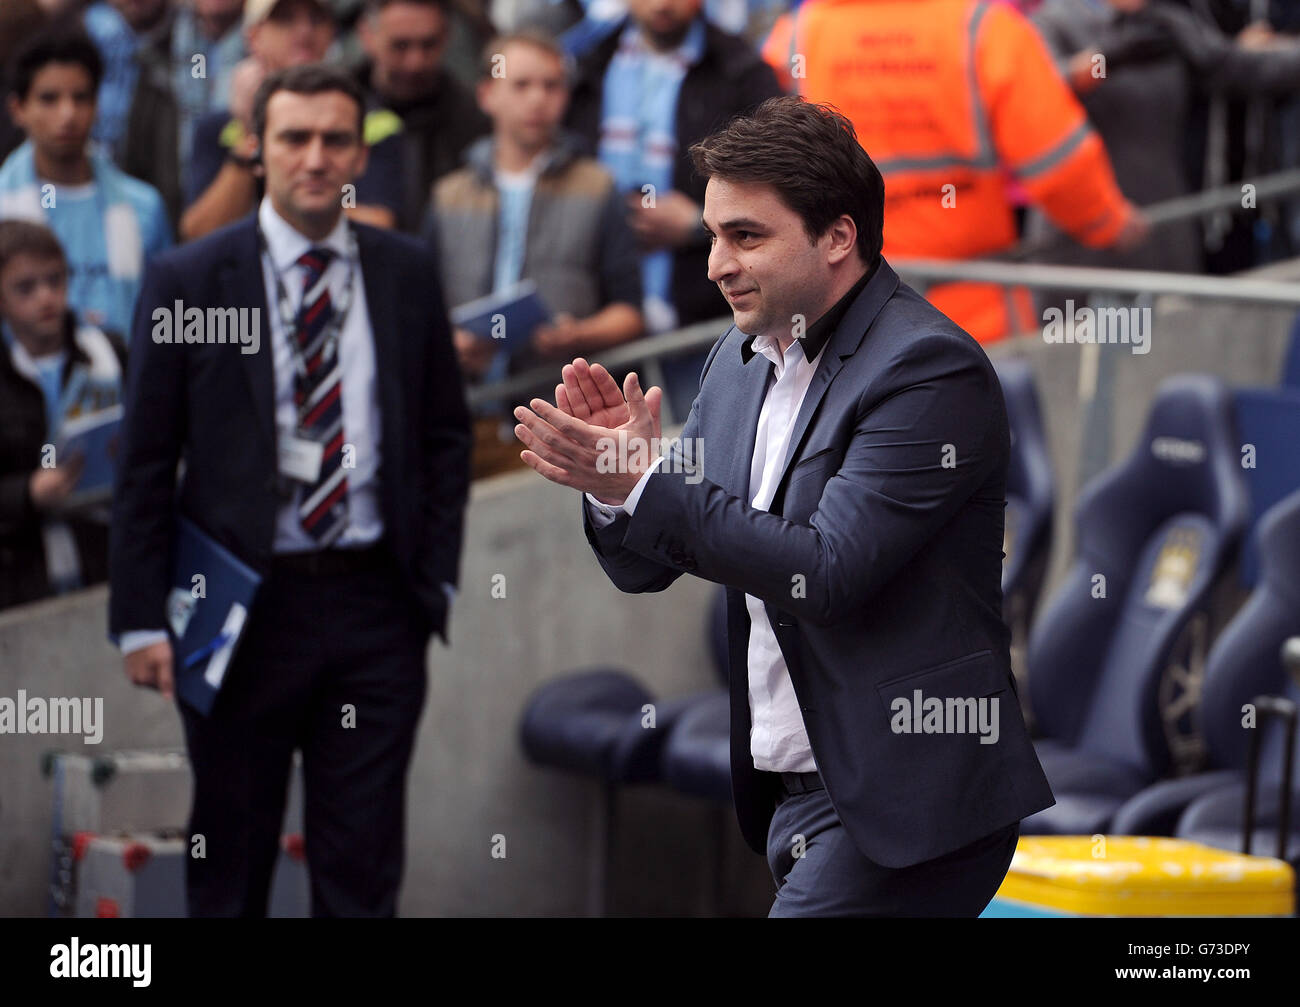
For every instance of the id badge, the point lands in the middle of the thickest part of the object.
(300, 457)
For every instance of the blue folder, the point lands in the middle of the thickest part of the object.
(206, 625)
(507, 318)
(94, 436)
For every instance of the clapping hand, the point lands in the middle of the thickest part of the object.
(591, 418)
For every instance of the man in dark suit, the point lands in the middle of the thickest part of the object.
(843, 473)
(335, 461)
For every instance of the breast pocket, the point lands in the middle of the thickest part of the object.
(960, 698)
(821, 466)
(807, 479)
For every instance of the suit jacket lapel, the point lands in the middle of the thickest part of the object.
(843, 343)
(242, 278)
(381, 300)
(740, 423)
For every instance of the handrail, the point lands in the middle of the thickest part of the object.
(699, 336)
(1005, 269)
(1123, 281)
(703, 335)
(1170, 211)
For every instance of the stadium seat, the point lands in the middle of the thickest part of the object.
(594, 723)
(1154, 534)
(1291, 365)
(1269, 620)
(697, 754)
(1030, 501)
(1243, 664)
(1268, 429)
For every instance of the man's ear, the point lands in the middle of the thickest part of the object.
(844, 239)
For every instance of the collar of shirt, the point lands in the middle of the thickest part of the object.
(819, 333)
(286, 244)
(524, 177)
(768, 346)
(33, 368)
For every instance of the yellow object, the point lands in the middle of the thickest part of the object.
(231, 133)
(1141, 876)
(380, 124)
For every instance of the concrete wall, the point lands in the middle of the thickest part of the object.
(469, 780)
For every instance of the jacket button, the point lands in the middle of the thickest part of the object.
(689, 563)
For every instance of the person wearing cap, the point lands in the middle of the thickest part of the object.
(225, 180)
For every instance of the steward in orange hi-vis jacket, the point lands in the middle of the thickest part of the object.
(947, 96)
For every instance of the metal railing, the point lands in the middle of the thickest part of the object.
(1008, 269)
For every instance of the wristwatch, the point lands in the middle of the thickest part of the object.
(247, 163)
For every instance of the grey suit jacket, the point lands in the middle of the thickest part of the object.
(879, 565)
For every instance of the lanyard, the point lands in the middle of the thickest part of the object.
(290, 321)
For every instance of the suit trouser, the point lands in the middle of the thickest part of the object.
(833, 878)
(333, 664)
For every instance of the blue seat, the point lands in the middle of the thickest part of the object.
(1215, 819)
(1268, 428)
(604, 724)
(1031, 499)
(1243, 664)
(697, 754)
(1154, 535)
(1269, 619)
(697, 758)
(1291, 365)
(590, 722)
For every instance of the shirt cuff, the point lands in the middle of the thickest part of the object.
(603, 514)
(600, 514)
(137, 639)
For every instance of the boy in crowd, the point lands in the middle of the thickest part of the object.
(109, 223)
(51, 369)
(529, 206)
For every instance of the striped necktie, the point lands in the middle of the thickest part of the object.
(319, 397)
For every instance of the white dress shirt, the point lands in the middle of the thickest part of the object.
(356, 350)
(778, 740)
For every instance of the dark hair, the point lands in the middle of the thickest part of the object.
(62, 42)
(373, 7)
(312, 78)
(809, 153)
(533, 35)
(23, 237)
(19, 20)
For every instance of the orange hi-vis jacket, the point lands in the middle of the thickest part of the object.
(947, 96)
